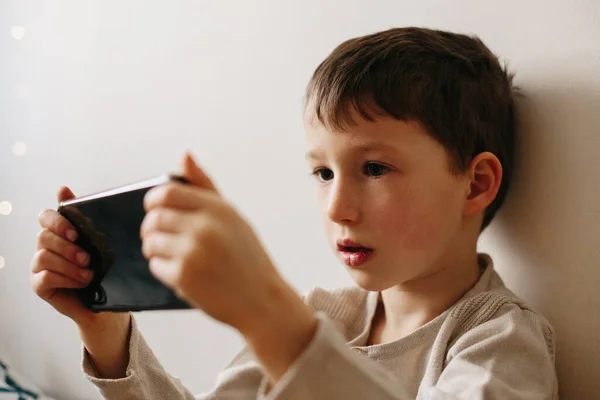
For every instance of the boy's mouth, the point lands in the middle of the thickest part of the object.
(354, 254)
(352, 246)
(355, 249)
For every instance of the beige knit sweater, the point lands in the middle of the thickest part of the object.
(489, 345)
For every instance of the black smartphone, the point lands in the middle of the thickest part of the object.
(108, 224)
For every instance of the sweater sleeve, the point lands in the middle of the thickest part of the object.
(510, 357)
(329, 369)
(146, 378)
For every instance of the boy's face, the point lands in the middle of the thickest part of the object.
(401, 201)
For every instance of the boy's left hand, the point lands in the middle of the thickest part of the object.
(198, 245)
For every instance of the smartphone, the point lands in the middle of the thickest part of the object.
(108, 226)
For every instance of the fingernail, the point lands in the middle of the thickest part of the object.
(85, 274)
(72, 235)
(82, 258)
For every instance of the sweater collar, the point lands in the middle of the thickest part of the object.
(361, 325)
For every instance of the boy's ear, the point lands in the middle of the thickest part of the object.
(485, 176)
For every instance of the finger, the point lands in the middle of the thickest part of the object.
(49, 240)
(179, 195)
(58, 224)
(195, 174)
(45, 260)
(164, 245)
(163, 220)
(46, 282)
(165, 270)
(64, 193)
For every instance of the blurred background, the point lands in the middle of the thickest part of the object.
(95, 94)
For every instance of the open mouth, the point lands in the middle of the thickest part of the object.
(356, 249)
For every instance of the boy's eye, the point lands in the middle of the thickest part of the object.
(376, 169)
(327, 171)
(373, 169)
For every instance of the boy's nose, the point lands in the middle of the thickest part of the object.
(343, 205)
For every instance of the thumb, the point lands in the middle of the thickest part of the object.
(64, 193)
(193, 173)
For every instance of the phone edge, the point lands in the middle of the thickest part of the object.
(130, 187)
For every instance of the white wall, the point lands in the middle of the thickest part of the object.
(117, 90)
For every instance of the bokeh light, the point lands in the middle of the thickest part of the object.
(5, 207)
(17, 32)
(19, 149)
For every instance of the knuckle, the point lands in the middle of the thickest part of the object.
(188, 246)
(34, 262)
(42, 235)
(43, 216)
(155, 217)
(152, 220)
(44, 278)
(36, 285)
(48, 213)
(43, 256)
(37, 262)
(149, 223)
(168, 193)
(202, 224)
(146, 247)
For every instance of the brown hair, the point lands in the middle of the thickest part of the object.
(451, 83)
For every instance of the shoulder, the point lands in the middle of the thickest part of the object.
(490, 306)
(500, 315)
(502, 336)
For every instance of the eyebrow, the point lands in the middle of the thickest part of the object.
(363, 148)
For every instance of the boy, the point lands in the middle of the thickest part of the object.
(410, 136)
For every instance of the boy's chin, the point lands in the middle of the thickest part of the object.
(369, 281)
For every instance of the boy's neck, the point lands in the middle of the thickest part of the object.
(409, 306)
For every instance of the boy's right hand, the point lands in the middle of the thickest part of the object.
(59, 264)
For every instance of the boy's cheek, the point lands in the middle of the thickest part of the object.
(416, 231)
